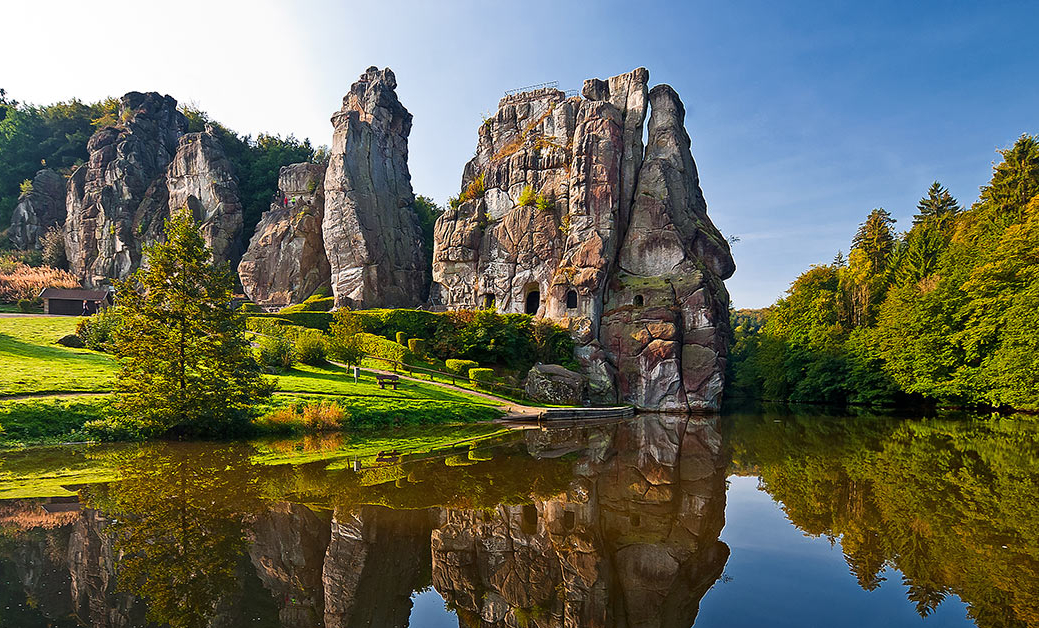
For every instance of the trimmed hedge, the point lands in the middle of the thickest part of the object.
(316, 303)
(484, 378)
(383, 348)
(461, 366)
(417, 346)
(311, 320)
(402, 338)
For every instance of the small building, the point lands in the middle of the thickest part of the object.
(78, 302)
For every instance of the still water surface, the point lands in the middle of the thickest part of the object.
(753, 519)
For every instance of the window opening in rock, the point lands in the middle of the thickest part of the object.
(533, 301)
(569, 519)
(638, 301)
(571, 299)
(488, 301)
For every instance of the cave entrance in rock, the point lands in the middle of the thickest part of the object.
(533, 301)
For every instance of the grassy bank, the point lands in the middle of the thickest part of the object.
(33, 365)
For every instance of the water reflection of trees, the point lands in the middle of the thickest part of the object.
(179, 516)
(952, 504)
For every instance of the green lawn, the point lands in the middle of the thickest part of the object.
(336, 380)
(32, 362)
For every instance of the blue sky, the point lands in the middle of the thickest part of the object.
(804, 116)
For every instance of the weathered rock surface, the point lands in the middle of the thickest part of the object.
(138, 172)
(202, 179)
(104, 194)
(371, 232)
(563, 206)
(666, 318)
(38, 210)
(285, 262)
(551, 383)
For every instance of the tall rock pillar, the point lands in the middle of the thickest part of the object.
(371, 232)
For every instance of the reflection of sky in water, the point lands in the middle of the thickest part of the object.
(777, 576)
(429, 612)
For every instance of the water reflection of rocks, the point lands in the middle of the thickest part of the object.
(627, 537)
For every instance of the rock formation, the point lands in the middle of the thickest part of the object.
(202, 179)
(38, 210)
(285, 262)
(138, 171)
(105, 193)
(554, 219)
(370, 228)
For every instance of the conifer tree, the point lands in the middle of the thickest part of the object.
(187, 366)
(938, 203)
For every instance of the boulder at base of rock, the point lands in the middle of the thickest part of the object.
(551, 383)
(71, 340)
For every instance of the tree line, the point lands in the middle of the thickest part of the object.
(946, 312)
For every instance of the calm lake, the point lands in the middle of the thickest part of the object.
(758, 518)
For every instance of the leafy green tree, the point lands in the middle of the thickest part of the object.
(344, 344)
(187, 366)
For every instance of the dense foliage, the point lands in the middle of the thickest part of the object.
(947, 312)
(187, 366)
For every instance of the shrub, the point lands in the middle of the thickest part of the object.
(310, 347)
(461, 366)
(402, 338)
(484, 378)
(18, 281)
(268, 325)
(311, 320)
(98, 331)
(53, 244)
(25, 305)
(527, 198)
(276, 352)
(417, 346)
(542, 204)
(320, 416)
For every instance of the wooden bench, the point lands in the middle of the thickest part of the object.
(387, 379)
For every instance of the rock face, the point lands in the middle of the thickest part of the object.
(202, 179)
(370, 228)
(551, 383)
(285, 262)
(105, 193)
(38, 210)
(563, 207)
(666, 317)
(137, 173)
